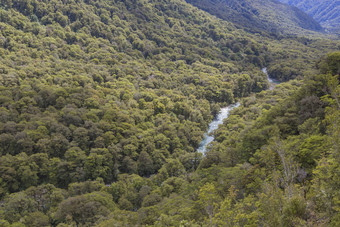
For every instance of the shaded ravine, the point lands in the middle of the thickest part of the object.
(223, 114)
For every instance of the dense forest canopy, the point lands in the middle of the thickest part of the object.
(103, 105)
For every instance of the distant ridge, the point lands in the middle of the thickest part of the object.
(269, 15)
(326, 12)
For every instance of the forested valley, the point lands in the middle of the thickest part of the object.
(103, 105)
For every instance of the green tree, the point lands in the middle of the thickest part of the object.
(145, 164)
(209, 200)
(85, 209)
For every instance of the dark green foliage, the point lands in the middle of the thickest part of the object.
(85, 209)
(104, 103)
(331, 64)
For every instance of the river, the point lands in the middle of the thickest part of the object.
(208, 138)
(272, 82)
(223, 114)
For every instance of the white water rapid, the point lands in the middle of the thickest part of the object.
(272, 82)
(223, 114)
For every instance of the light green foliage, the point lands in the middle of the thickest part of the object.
(209, 201)
(104, 103)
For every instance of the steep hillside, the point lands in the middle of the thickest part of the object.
(256, 15)
(104, 103)
(113, 83)
(326, 12)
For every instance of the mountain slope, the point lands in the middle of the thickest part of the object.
(104, 103)
(326, 12)
(268, 15)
